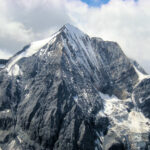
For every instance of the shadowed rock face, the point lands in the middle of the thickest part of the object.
(142, 96)
(3, 63)
(117, 146)
(51, 96)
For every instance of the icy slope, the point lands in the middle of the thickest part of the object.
(33, 48)
(125, 121)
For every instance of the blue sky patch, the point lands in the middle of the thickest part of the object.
(97, 3)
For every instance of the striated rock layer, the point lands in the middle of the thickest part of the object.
(73, 92)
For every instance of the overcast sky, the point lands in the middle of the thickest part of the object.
(124, 21)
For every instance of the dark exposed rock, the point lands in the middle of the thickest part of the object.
(3, 63)
(117, 146)
(141, 97)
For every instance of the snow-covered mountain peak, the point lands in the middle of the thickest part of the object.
(73, 31)
(69, 26)
(70, 31)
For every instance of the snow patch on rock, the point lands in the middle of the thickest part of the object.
(19, 139)
(5, 111)
(15, 71)
(122, 120)
(137, 122)
(141, 76)
(12, 145)
(75, 98)
(34, 48)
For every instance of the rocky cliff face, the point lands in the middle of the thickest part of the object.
(73, 92)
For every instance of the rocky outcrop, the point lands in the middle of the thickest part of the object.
(141, 96)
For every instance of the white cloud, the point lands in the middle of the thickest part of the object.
(24, 21)
(4, 55)
(14, 30)
(125, 22)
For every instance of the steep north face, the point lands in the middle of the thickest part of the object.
(73, 92)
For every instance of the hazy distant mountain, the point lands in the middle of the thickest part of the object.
(73, 92)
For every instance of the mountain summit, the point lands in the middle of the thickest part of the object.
(73, 92)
